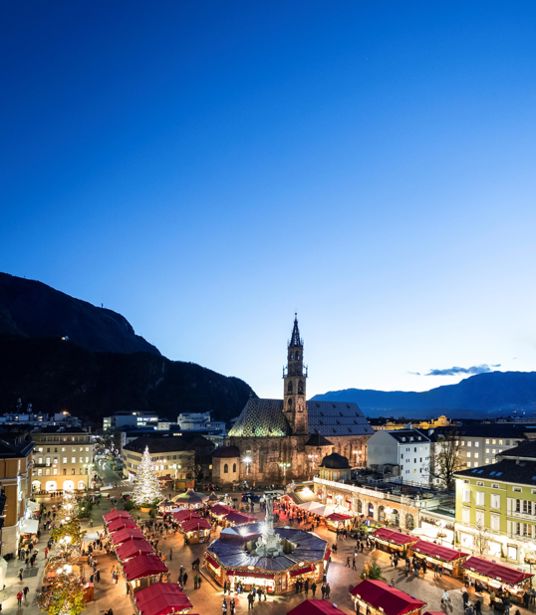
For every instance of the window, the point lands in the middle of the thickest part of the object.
(479, 498)
(487, 440)
(516, 489)
(234, 467)
(65, 460)
(487, 451)
(495, 486)
(495, 522)
(495, 500)
(73, 459)
(226, 468)
(468, 454)
(466, 516)
(73, 471)
(469, 443)
(466, 495)
(479, 518)
(487, 461)
(477, 444)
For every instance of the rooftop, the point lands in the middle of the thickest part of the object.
(506, 471)
(187, 442)
(408, 435)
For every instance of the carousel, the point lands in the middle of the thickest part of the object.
(261, 556)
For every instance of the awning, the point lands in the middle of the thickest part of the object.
(143, 566)
(29, 526)
(397, 538)
(338, 517)
(119, 524)
(499, 572)
(212, 562)
(302, 570)
(392, 601)
(250, 573)
(195, 524)
(443, 554)
(316, 607)
(161, 599)
(183, 513)
(126, 534)
(132, 547)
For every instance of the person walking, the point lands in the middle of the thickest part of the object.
(19, 598)
(21, 573)
(313, 588)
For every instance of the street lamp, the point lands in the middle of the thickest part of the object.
(247, 460)
(312, 462)
(284, 465)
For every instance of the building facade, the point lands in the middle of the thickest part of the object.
(63, 460)
(496, 507)
(15, 485)
(410, 449)
(287, 438)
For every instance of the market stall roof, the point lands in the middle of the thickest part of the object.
(184, 513)
(126, 534)
(221, 509)
(133, 547)
(116, 514)
(144, 565)
(397, 538)
(338, 517)
(238, 518)
(499, 572)
(314, 507)
(315, 607)
(392, 601)
(190, 497)
(161, 599)
(29, 526)
(444, 554)
(32, 506)
(195, 523)
(120, 524)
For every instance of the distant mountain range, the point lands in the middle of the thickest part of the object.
(484, 395)
(60, 352)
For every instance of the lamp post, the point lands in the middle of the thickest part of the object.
(312, 462)
(247, 460)
(284, 465)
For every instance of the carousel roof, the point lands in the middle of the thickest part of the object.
(126, 534)
(504, 574)
(161, 599)
(316, 607)
(144, 565)
(390, 600)
(133, 547)
(231, 553)
(190, 497)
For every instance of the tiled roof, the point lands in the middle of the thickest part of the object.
(261, 418)
(264, 418)
(526, 449)
(506, 471)
(156, 444)
(408, 435)
(329, 418)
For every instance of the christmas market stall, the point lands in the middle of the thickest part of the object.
(131, 548)
(195, 529)
(449, 560)
(116, 514)
(495, 576)
(220, 511)
(238, 518)
(126, 534)
(120, 524)
(143, 570)
(338, 521)
(316, 607)
(161, 599)
(393, 541)
(190, 499)
(372, 597)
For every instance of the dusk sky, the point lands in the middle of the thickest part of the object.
(209, 168)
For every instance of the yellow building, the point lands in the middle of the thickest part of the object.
(496, 507)
(63, 460)
(15, 486)
(440, 421)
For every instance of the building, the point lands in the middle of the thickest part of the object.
(390, 424)
(335, 467)
(121, 420)
(63, 459)
(408, 448)
(278, 438)
(15, 487)
(496, 506)
(194, 421)
(226, 465)
(181, 459)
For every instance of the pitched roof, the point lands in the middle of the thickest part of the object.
(315, 607)
(391, 600)
(525, 449)
(161, 599)
(295, 339)
(317, 440)
(167, 444)
(144, 565)
(261, 418)
(408, 435)
(506, 471)
(226, 452)
(331, 418)
(505, 574)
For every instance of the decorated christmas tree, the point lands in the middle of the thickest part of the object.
(146, 486)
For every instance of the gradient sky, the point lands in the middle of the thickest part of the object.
(208, 168)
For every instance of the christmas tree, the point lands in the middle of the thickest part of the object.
(146, 486)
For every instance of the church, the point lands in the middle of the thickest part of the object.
(279, 440)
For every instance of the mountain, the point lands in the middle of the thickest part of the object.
(53, 374)
(29, 308)
(490, 394)
(60, 352)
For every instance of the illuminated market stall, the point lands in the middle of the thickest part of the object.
(496, 576)
(372, 597)
(131, 548)
(143, 570)
(161, 599)
(448, 559)
(392, 541)
(195, 529)
(126, 534)
(316, 607)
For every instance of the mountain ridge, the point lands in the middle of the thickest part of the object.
(489, 394)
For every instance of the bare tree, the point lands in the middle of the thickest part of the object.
(446, 460)
(481, 541)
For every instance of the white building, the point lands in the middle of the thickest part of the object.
(129, 419)
(407, 448)
(194, 421)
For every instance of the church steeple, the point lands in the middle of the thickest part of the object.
(294, 377)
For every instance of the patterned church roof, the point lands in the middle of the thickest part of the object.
(262, 418)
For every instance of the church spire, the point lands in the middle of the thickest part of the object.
(295, 339)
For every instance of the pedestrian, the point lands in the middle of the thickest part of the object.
(19, 598)
(184, 578)
(354, 567)
(313, 588)
(348, 562)
(21, 572)
(465, 597)
(323, 591)
(25, 591)
(328, 591)
(171, 555)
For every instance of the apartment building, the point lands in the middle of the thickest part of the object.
(407, 448)
(63, 460)
(15, 487)
(481, 442)
(496, 506)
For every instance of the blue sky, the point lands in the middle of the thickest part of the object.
(206, 169)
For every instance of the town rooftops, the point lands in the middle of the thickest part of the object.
(507, 471)
(407, 436)
(15, 445)
(526, 449)
(186, 442)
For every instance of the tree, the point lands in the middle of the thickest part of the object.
(481, 541)
(447, 460)
(372, 570)
(64, 595)
(146, 486)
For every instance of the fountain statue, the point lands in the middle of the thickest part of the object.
(269, 543)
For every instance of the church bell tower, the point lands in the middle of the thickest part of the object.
(294, 377)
